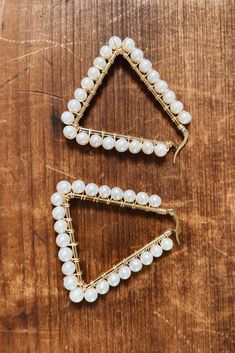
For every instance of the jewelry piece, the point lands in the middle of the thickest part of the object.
(151, 78)
(65, 239)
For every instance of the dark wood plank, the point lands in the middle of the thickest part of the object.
(184, 302)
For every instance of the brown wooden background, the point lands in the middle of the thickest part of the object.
(182, 303)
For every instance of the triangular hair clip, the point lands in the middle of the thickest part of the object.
(151, 78)
(69, 254)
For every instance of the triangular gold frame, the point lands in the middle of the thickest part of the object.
(78, 288)
(159, 97)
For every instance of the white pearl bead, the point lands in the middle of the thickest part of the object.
(153, 76)
(124, 272)
(60, 226)
(116, 193)
(113, 279)
(121, 145)
(99, 62)
(115, 42)
(67, 118)
(142, 198)
(155, 200)
(185, 118)
(147, 147)
(91, 295)
(169, 97)
(87, 83)
(160, 86)
(78, 186)
(104, 191)
(70, 282)
(135, 265)
(93, 73)
(128, 44)
(166, 244)
(129, 196)
(80, 94)
(102, 287)
(76, 295)
(106, 52)
(137, 55)
(95, 140)
(146, 258)
(58, 212)
(68, 268)
(82, 138)
(74, 105)
(135, 146)
(108, 143)
(56, 199)
(145, 66)
(65, 254)
(156, 250)
(176, 107)
(70, 132)
(62, 240)
(63, 187)
(91, 189)
(160, 149)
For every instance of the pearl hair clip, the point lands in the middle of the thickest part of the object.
(65, 239)
(150, 77)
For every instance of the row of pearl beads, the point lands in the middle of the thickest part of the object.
(153, 77)
(145, 66)
(77, 293)
(120, 144)
(91, 189)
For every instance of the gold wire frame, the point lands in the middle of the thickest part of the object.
(74, 245)
(150, 87)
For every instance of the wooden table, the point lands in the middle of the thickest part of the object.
(183, 302)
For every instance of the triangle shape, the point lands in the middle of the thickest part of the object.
(69, 253)
(150, 77)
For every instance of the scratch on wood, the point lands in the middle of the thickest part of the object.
(13, 78)
(41, 92)
(48, 166)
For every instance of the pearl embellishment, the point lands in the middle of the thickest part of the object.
(80, 94)
(95, 140)
(76, 295)
(106, 52)
(67, 118)
(82, 138)
(63, 187)
(185, 118)
(68, 268)
(121, 145)
(115, 42)
(146, 258)
(91, 189)
(91, 295)
(70, 132)
(102, 287)
(74, 105)
(99, 62)
(65, 241)
(83, 95)
(70, 282)
(87, 83)
(145, 66)
(128, 45)
(113, 279)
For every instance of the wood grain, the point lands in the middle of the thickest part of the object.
(182, 303)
